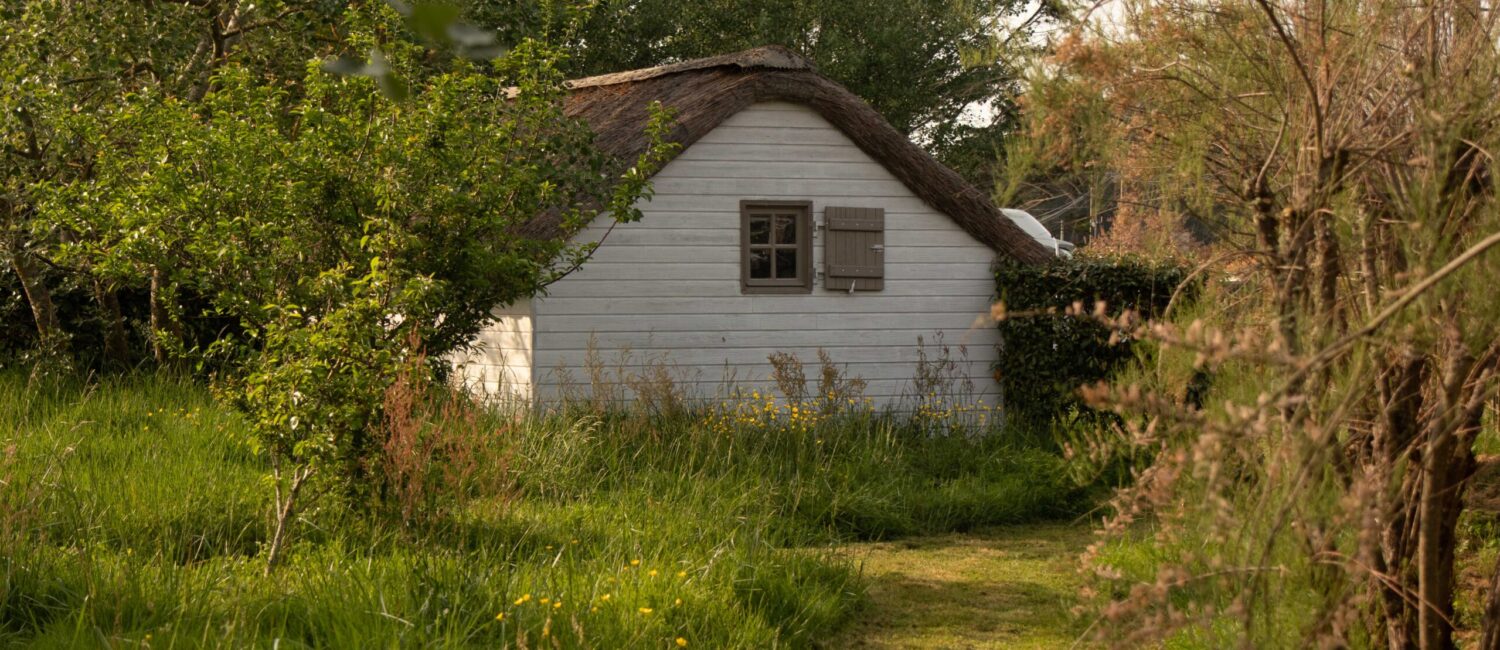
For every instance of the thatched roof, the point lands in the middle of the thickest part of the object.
(705, 92)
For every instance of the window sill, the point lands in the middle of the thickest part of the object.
(774, 290)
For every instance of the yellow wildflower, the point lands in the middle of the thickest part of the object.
(681, 642)
(646, 610)
(557, 605)
(682, 574)
(500, 616)
(651, 573)
(635, 563)
(605, 597)
(677, 602)
(544, 601)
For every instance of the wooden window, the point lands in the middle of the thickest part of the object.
(854, 251)
(776, 246)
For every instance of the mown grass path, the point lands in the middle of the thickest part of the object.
(1008, 587)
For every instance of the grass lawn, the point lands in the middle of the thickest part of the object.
(1005, 587)
(133, 514)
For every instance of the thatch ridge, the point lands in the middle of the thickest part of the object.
(706, 92)
(768, 56)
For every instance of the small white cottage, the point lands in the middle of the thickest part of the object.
(793, 218)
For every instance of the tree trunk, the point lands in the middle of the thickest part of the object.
(1445, 469)
(1396, 432)
(286, 510)
(1394, 563)
(1447, 463)
(116, 344)
(163, 326)
(1490, 627)
(39, 297)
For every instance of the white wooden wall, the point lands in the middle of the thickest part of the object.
(500, 369)
(668, 287)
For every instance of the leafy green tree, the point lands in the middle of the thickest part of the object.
(921, 63)
(341, 221)
(67, 69)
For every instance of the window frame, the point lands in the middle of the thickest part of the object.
(803, 283)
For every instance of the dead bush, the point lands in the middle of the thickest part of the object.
(439, 452)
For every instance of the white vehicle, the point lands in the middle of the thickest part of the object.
(1039, 232)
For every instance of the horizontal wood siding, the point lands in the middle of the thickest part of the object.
(710, 203)
(602, 266)
(499, 369)
(666, 290)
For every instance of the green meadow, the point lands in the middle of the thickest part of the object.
(135, 514)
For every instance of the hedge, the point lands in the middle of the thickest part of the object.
(1045, 358)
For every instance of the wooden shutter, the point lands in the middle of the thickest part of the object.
(854, 251)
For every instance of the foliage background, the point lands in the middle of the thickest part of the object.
(1052, 342)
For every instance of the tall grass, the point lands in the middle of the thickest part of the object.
(132, 515)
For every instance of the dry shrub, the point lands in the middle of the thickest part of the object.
(656, 388)
(438, 452)
(1311, 499)
(941, 376)
(606, 382)
(839, 394)
(650, 386)
(942, 398)
(838, 390)
(787, 372)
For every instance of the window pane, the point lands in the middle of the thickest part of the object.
(786, 229)
(760, 264)
(760, 230)
(786, 263)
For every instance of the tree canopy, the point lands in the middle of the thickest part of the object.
(330, 186)
(939, 70)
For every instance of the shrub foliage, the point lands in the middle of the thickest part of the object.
(1052, 345)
